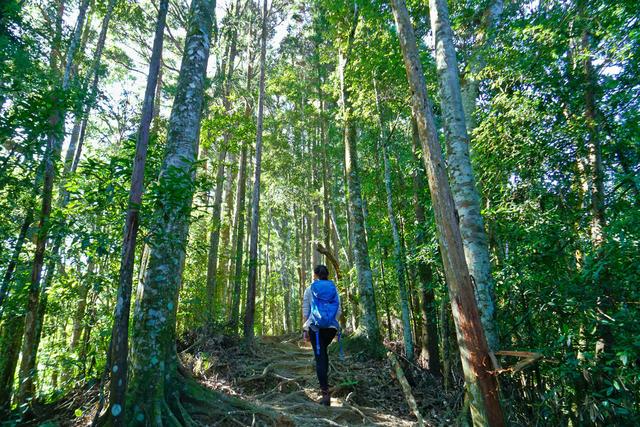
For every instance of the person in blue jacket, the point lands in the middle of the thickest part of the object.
(321, 310)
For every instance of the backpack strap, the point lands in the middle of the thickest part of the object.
(340, 344)
(318, 342)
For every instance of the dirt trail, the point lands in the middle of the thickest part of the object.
(273, 383)
(278, 375)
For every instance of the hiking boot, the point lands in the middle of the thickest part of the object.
(326, 397)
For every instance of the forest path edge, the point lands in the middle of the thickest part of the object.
(277, 373)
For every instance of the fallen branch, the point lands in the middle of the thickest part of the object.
(528, 358)
(406, 388)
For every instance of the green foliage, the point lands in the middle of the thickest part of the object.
(556, 289)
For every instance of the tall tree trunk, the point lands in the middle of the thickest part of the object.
(93, 90)
(267, 275)
(155, 119)
(283, 232)
(593, 145)
(12, 330)
(33, 328)
(385, 292)
(78, 316)
(463, 185)
(15, 257)
(445, 331)
(595, 173)
(120, 332)
(255, 202)
(214, 234)
(51, 157)
(239, 222)
(429, 351)
(77, 120)
(476, 362)
(398, 249)
(324, 143)
(369, 328)
(154, 363)
(235, 256)
(477, 62)
(226, 238)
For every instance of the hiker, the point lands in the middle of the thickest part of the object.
(321, 311)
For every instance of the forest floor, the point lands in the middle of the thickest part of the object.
(278, 373)
(273, 382)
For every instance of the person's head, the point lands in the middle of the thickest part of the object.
(321, 272)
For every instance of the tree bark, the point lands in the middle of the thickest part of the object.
(214, 234)
(78, 317)
(595, 180)
(15, 257)
(51, 156)
(283, 232)
(120, 332)
(94, 84)
(463, 185)
(477, 62)
(267, 275)
(369, 327)
(154, 362)
(226, 242)
(239, 222)
(12, 330)
(476, 362)
(398, 249)
(255, 202)
(429, 351)
(326, 191)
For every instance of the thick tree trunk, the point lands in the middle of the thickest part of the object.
(255, 202)
(398, 249)
(12, 331)
(120, 332)
(369, 327)
(463, 185)
(32, 337)
(481, 382)
(154, 360)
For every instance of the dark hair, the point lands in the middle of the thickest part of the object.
(321, 271)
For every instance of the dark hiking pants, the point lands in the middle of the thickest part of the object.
(325, 336)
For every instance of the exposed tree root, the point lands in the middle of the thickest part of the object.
(278, 373)
(222, 382)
